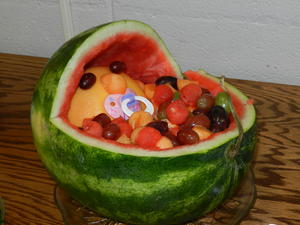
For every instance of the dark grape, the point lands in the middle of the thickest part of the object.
(198, 111)
(205, 91)
(118, 67)
(87, 81)
(111, 132)
(187, 136)
(219, 119)
(161, 112)
(198, 120)
(167, 79)
(161, 126)
(102, 119)
(205, 102)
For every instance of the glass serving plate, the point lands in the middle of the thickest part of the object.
(231, 212)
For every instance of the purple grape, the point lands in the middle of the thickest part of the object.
(87, 81)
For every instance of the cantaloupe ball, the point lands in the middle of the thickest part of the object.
(183, 82)
(140, 84)
(164, 143)
(139, 119)
(134, 134)
(123, 139)
(149, 90)
(202, 132)
(114, 83)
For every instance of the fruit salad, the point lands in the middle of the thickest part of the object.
(109, 104)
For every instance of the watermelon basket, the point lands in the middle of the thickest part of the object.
(128, 181)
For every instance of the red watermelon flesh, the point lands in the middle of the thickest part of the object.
(142, 56)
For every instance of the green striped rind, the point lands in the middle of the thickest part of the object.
(146, 188)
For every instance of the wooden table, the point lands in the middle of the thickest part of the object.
(28, 190)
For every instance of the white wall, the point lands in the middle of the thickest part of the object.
(246, 39)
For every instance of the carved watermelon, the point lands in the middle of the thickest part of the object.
(131, 184)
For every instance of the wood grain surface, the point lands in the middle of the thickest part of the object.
(28, 190)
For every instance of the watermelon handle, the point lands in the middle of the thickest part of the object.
(233, 151)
